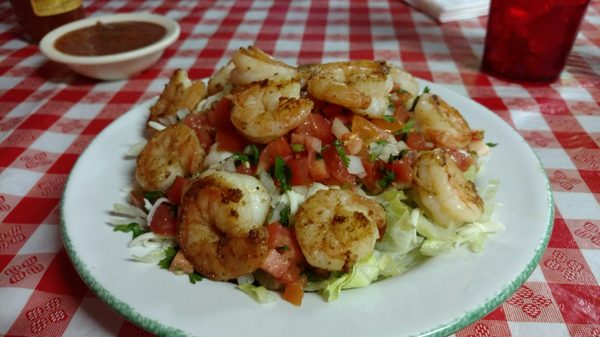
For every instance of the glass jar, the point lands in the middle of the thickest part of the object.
(38, 17)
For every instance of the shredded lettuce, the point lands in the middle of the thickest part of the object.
(375, 267)
(410, 238)
(259, 293)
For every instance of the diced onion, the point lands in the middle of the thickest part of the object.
(181, 113)
(356, 167)
(215, 156)
(128, 210)
(338, 128)
(151, 239)
(156, 126)
(158, 202)
(136, 149)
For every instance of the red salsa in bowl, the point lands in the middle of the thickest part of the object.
(110, 38)
(112, 47)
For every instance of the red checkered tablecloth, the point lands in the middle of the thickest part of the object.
(48, 115)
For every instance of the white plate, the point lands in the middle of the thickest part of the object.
(441, 296)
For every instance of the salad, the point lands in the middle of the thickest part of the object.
(314, 178)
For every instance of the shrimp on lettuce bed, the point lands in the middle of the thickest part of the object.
(320, 177)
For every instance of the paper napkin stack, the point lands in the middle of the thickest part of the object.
(451, 10)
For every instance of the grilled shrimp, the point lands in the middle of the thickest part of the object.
(442, 123)
(444, 191)
(361, 86)
(405, 85)
(170, 152)
(252, 64)
(264, 111)
(220, 80)
(222, 228)
(336, 228)
(179, 93)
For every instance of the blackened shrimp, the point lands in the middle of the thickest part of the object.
(252, 65)
(179, 94)
(447, 196)
(441, 122)
(361, 86)
(171, 152)
(264, 111)
(219, 81)
(336, 228)
(222, 228)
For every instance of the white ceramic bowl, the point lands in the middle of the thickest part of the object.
(115, 66)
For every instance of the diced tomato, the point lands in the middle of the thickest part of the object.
(275, 264)
(284, 239)
(294, 291)
(401, 114)
(220, 115)
(354, 144)
(402, 169)
(181, 264)
(229, 139)
(373, 175)
(311, 143)
(245, 169)
(318, 169)
(336, 166)
(136, 197)
(199, 123)
(367, 131)
(175, 191)
(316, 126)
(416, 141)
(284, 260)
(164, 221)
(390, 126)
(463, 160)
(277, 148)
(332, 111)
(300, 171)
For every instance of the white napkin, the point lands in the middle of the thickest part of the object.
(451, 10)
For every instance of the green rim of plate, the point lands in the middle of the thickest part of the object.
(444, 329)
(494, 302)
(122, 308)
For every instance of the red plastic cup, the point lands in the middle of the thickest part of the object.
(530, 40)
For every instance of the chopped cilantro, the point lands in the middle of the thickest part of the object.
(250, 155)
(339, 147)
(388, 177)
(153, 196)
(241, 158)
(133, 227)
(389, 118)
(284, 247)
(297, 147)
(170, 253)
(426, 90)
(284, 215)
(491, 144)
(253, 153)
(406, 128)
(195, 277)
(281, 173)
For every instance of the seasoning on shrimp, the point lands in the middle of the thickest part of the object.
(222, 229)
(174, 151)
(354, 176)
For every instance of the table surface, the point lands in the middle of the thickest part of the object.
(48, 115)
